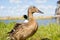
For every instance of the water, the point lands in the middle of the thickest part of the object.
(40, 21)
(46, 21)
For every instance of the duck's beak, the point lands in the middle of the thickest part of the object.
(40, 11)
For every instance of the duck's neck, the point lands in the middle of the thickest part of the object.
(30, 14)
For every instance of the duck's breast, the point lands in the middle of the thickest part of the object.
(30, 29)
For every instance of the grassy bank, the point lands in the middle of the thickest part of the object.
(51, 31)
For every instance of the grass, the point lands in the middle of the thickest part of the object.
(50, 31)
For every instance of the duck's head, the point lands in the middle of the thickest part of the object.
(33, 9)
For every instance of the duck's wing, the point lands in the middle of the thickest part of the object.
(15, 27)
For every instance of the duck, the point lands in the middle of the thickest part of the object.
(57, 13)
(26, 30)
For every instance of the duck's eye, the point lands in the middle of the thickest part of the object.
(32, 12)
(34, 7)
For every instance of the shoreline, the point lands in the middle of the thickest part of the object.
(21, 18)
